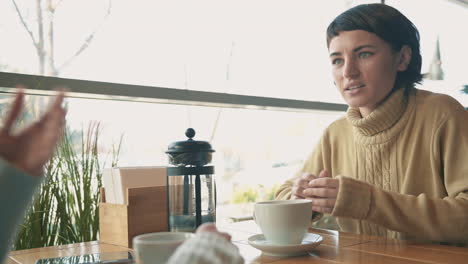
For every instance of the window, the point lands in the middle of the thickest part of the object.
(255, 149)
(435, 23)
(262, 48)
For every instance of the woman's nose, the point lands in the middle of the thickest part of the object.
(351, 69)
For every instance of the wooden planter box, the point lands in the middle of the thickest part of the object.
(145, 212)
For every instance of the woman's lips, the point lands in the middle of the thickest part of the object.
(354, 89)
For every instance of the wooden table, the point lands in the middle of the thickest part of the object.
(337, 247)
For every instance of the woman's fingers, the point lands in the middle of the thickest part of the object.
(322, 187)
(300, 184)
(308, 176)
(57, 103)
(211, 227)
(53, 127)
(55, 109)
(324, 173)
(303, 183)
(325, 210)
(323, 205)
(325, 182)
(320, 192)
(309, 185)
(207, 227)
(319, 202)
(14, 112)
(53, 120)
(296, 192)
(225, 235)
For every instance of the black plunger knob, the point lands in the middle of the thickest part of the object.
(190, 133)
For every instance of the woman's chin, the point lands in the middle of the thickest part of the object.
(354, 103)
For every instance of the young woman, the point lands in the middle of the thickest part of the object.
(394, 165)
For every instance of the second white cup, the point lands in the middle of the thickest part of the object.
(283, 222)
(157, 248)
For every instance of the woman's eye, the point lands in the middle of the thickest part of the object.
(365, 54)
(337, 61)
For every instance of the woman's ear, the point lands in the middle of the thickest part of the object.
(405, 58)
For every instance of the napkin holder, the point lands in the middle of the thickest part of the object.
(145, 212)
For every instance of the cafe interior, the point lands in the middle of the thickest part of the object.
(186, 112)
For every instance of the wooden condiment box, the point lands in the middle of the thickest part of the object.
(145, 212)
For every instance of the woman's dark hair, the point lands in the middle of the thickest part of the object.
(391, 26)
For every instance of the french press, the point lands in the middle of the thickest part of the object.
(190, 183)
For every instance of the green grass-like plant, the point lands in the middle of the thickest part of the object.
(65, 209)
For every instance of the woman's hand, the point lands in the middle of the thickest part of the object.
(32, 147)
(302, 183)
(322, 191)
(210, 227)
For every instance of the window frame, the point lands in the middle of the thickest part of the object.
(45, 85)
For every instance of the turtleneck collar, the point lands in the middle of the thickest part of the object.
(378, 125)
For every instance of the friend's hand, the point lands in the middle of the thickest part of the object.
(32, 147)
(210, 227)
(323, 192)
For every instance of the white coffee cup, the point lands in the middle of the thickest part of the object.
(283, 222)
(156, 248)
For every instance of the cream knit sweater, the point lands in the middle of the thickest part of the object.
(207, 248)
(403, 169)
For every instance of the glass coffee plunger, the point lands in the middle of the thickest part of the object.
(190, 182)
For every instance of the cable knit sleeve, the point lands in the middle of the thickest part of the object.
(207, 248)
(420, 216)
(417, 216)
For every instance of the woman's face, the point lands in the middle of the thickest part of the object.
(364, 68)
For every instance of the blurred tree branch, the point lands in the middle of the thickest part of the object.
(44, 40)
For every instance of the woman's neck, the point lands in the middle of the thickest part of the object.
(365, 111)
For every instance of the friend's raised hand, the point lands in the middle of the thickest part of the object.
(32, 147)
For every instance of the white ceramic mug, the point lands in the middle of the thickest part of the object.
(283, 222)
(157, 248)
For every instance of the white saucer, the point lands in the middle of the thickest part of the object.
(309, 242)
